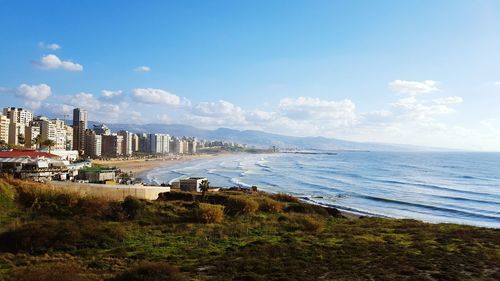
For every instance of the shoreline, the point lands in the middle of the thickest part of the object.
(140, 167)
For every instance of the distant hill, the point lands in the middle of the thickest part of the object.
(262, 139)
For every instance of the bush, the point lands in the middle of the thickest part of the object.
(132, 206)
(283, 197)
(152, 271)
(208, 213)
(241, 205)
(270, 205)
(99, 208)
(57, 272)
(305, 208)
(307, 223)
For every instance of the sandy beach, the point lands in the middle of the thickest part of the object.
(139, 167)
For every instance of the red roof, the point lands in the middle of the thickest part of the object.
(26, 153)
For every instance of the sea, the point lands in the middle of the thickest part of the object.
(436, 187)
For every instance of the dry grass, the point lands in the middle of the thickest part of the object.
(238, 204)
(208, 213)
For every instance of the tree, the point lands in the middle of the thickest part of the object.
(20, 138)
(49, 143)
(37, 141)
(3, 143)
(204, 186)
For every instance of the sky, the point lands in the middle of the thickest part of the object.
(420, 72)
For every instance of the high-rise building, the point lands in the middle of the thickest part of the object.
(16, 133)
(159, 143)
(18, 115)
(93, 144)
(192, 146)
(19, 119)
(4, 128)
(69, 137)
(31, 135)
(80, 122)
(55, 130)
(112, 145)
(176, 146)
(135, 143)
(127, 145)
(144, 143)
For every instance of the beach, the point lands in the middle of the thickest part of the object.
(139, 167)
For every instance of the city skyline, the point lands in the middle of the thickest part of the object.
(421, 73)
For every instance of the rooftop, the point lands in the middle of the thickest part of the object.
(26, 153)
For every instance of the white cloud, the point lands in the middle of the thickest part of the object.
(413, 87)
(142, 68)
(107, 94)
(260, 116)
(219, 108)
(33, 95)
(83, 100)
(53, 62)
(497, 83)
(158, 96)
(51, 46)
(336, 113)
(414, 110)
(219, 113)
(449, 100)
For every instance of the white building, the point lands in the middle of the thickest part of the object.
(159, 143)
(127, 144)
(4, 128)
(18, 115)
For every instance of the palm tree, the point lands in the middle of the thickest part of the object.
(37, 141)
(204, 186)
(49, 143)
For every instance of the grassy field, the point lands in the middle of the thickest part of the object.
(47, 235)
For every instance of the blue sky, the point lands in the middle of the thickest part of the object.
(416, 72)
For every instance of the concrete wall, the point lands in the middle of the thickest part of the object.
(114, 192)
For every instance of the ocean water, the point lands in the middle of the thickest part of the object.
(433, 187)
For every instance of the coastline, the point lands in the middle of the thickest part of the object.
(140, 167)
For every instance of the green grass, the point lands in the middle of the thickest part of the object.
(281, 239)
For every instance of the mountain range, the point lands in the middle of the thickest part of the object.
(262, 139)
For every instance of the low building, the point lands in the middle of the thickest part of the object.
(97, 175)
(35, 165)
(191, 184)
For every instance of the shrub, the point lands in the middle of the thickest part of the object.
(48, 235)
(270, 205)
(176, 196)
(97, 208)
(132, 206)
(283, 197)
(151, 271)
(57, 272)
(305, 208)
(307, 223)
(241, 205)
(208, 213)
